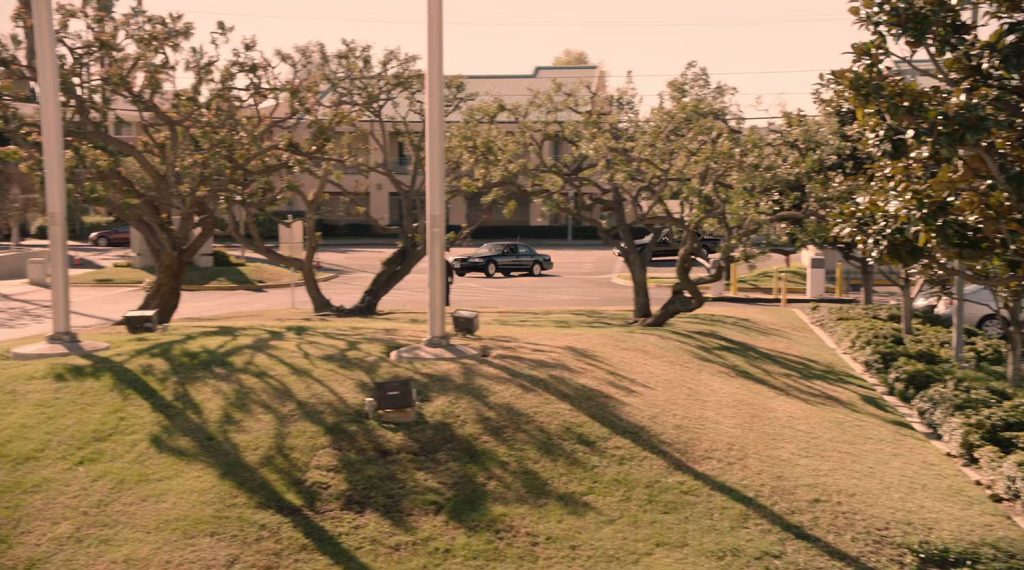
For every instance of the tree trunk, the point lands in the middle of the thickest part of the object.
(321, 304)
(906, 305)
(638, 273)
(681, 301)
(395, 268)
(867, 287)
(165, 292)
(1014, 336)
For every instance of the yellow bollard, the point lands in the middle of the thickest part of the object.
(775, 282)
(785, 292)
(734, 279)
(840, 290)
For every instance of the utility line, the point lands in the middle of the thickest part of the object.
(535, 23)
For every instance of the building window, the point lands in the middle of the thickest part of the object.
(557, 148)
(395, 209)
(123, 128)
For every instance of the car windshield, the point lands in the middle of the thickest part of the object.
(489, 249)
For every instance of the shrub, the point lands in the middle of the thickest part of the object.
(222, 258)
(930, 555)
(909, 377)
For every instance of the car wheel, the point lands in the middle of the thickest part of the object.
(460, 273)
(490, 269)
(535, 269)
(102, 241)
(993, 326)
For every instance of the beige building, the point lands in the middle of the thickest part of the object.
(376, 202)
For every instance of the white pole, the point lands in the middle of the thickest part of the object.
(53, 166)
(435, 175)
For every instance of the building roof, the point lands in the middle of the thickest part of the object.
(513, 88)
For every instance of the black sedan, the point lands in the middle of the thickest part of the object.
(502, 257)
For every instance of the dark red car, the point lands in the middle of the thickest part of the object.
(119, 235)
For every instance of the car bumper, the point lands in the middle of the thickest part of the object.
(547, 265)
(467, 267)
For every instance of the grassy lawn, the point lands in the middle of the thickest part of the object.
(731, 439)
(253, 273)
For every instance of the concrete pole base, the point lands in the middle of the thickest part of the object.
(50, 349)
(427, 352)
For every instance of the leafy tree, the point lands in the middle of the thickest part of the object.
(948, 145)
(572, 57)
(687, 169)
(362, 122)
(165, 181)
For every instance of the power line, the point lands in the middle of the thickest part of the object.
(545, 23)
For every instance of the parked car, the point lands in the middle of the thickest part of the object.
(668, 245)
(502, 257)
(981, 310)
(120, 235)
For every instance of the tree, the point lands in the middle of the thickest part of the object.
(949, 146)
(121, 68)
(572, 57)
(362, 124)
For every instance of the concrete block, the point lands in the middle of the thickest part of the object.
(38, 271)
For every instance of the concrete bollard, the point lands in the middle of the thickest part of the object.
(38, 271)
(816, 278)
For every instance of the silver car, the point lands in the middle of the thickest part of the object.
(981, 310)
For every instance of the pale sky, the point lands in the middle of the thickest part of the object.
(772, 50)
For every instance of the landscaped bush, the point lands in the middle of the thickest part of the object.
(929, 555)
(977, 415)
(222, 258)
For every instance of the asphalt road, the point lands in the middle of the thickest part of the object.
(581, 278)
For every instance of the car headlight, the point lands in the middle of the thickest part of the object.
(475, 260)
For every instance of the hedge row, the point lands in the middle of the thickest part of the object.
(977, 415)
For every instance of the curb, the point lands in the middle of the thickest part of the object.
(275, 285)
(909, 415)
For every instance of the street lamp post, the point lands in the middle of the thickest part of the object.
(62, 341)
(437, 344)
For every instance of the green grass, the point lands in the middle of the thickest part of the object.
(251, 274)
(731, 439)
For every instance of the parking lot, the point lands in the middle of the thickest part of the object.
(582, 277)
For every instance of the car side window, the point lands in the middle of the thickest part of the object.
(509, 250)
(525, 250)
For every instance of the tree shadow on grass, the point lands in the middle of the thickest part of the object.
(208, 383)
(221, 454)
(601, 408)
(792, 376)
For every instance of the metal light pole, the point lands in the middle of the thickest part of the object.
(436, 274)
(436, 345)
(53, 165)
(62, 341)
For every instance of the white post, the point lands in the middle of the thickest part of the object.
(53, 166)
(434, 99)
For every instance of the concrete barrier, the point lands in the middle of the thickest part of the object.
(13, 263)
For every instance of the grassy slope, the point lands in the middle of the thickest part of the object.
(250, 274)
(731, 439)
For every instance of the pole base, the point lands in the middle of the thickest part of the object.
(52, 349)
(427, 352)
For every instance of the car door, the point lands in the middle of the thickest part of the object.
(507, 259)
(525, 257)
(121, 235)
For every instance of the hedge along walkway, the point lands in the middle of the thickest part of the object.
(733, 438)
(908, 413)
